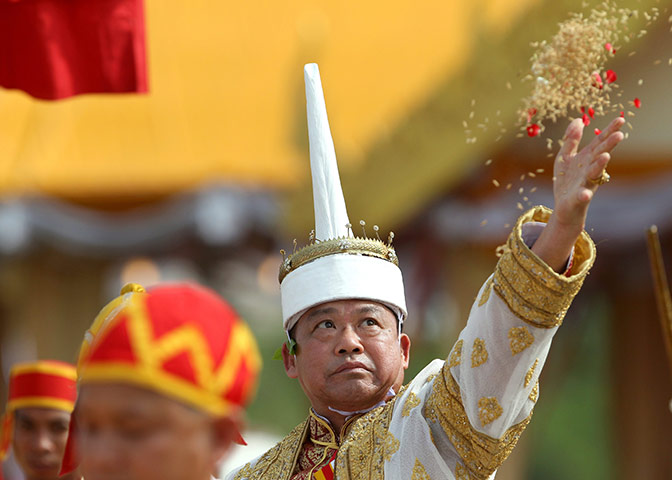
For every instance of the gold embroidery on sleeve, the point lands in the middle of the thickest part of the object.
(534, 394)
(411, 402)
(530, 373)
(530, 288)
(519, 339)
(479, 354)
(455, 357)
(480, 453)
(419, 472)
(461, 473)
(486, 293)
(489, 410)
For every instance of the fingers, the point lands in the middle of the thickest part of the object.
(597, 167)
(599, 141)
(571, 139)
(609, 144)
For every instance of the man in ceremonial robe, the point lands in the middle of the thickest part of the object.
(343, 308)
(35, 424)
(163, 377)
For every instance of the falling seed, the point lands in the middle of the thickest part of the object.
(508, 85)
(484, 222)
(554, 178)
(525, 199)
(657, 62)
(498, 138)
(631, 114)
(507, 225)
(550, 155)
(465, 124)
(540, 170)
(533, 189)
(522, 177)
(627, 134)
(640, 82)
(521, 190)
(495, 182)
(531, 174)
(508, 186)
(597, 131)
(488, 161)
(471, 115)
(631, 53)
(473, 102)
(637, 102)
(630, 126)
(519, 206)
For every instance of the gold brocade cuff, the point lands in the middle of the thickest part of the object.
(532, 290)
(480, 453)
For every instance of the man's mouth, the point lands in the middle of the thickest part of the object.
(351, 367)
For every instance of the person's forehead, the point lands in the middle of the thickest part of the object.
(36, 414)
(118, 398)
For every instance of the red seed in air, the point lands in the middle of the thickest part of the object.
(610, 76)
(533, 130)
(637, 102)
(597, 131)
(531, 113)
(586, 120)
(591, 112)
(608, 47)
(583, 109)
(598, 80)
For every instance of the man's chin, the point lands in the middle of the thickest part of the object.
(354, 396)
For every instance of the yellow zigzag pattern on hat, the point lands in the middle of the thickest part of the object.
(152, 353)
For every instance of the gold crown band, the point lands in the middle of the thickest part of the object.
(350, 245)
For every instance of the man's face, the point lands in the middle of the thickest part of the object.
(130, 433)
(349, 354)
(40, 435)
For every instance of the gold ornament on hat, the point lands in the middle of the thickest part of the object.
(371, 247)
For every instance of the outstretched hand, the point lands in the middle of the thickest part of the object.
(576, 177)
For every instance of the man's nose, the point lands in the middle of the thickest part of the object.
(349, 342)
(44, 442)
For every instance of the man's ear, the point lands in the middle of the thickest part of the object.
(289, 361)
(405, 347)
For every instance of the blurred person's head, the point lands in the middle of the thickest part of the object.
(163, 378)
(41, 396)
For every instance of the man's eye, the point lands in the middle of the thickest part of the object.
(326, 324)
(370, 322)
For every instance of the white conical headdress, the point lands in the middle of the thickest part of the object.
(337, 266)
(331, 216)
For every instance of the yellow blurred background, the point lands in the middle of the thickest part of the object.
(206, 177)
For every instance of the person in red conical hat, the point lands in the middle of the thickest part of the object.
(35, 425)
(163, 377)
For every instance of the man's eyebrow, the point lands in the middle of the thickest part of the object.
(369, 309)
(321, 311)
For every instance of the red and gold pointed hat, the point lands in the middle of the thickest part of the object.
(182, 341)
(41, 384)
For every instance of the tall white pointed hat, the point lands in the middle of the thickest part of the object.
(336, 265)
